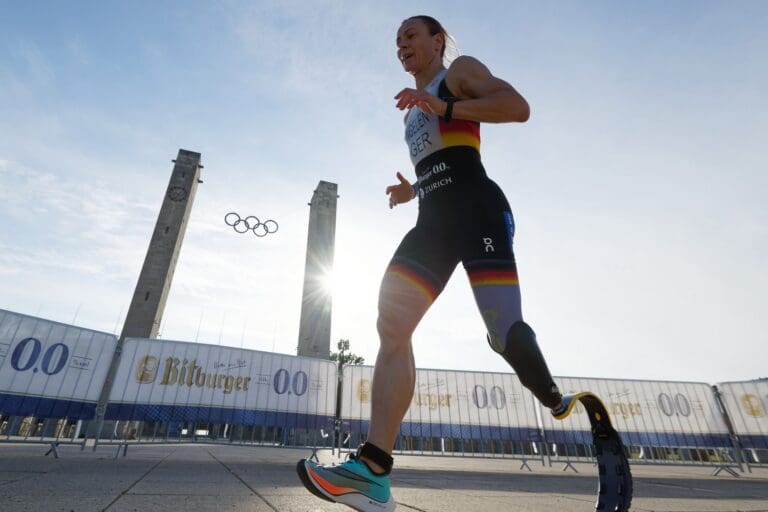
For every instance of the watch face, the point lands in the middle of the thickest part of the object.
(177, 194)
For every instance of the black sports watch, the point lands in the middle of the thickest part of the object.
(449, 109)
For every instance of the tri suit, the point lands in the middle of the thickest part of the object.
(465, 217)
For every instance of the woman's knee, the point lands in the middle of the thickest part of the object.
(393, 333)
(401, 307)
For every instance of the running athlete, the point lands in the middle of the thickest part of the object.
(463, 217)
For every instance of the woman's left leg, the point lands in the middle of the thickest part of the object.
(498, 297)
(490, 264)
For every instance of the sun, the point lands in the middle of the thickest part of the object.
(328, 283)
(341, 285)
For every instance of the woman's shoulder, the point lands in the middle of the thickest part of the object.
(465, 63)
(464, 67)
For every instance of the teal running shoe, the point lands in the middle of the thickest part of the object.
(351, 483)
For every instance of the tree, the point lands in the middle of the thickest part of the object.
(343, 356)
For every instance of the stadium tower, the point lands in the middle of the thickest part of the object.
(146, 310)
(315, 325)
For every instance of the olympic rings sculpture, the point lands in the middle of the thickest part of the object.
(250, 223)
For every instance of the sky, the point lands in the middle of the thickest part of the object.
(638, 185)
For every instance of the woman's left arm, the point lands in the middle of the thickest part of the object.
(484, 98)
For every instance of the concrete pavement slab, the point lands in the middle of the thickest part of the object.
(162, 503)
(186, 478)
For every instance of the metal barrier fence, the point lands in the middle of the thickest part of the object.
(167, 391)
(51, 375)
(746, 404)
(452, 413)
(660, 422)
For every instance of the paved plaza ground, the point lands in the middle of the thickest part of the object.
(193, 478)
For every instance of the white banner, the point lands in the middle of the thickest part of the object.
(747, 406)
(49, 369)
(161, 380)
(646, 413)
(449, 404)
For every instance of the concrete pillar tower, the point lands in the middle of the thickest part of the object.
(148, 303)
(146, 310)
(315, 326)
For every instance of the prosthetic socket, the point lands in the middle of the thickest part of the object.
(523, 354)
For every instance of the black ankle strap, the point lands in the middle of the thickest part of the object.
(377, 455)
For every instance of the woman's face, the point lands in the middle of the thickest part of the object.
(416, 48)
